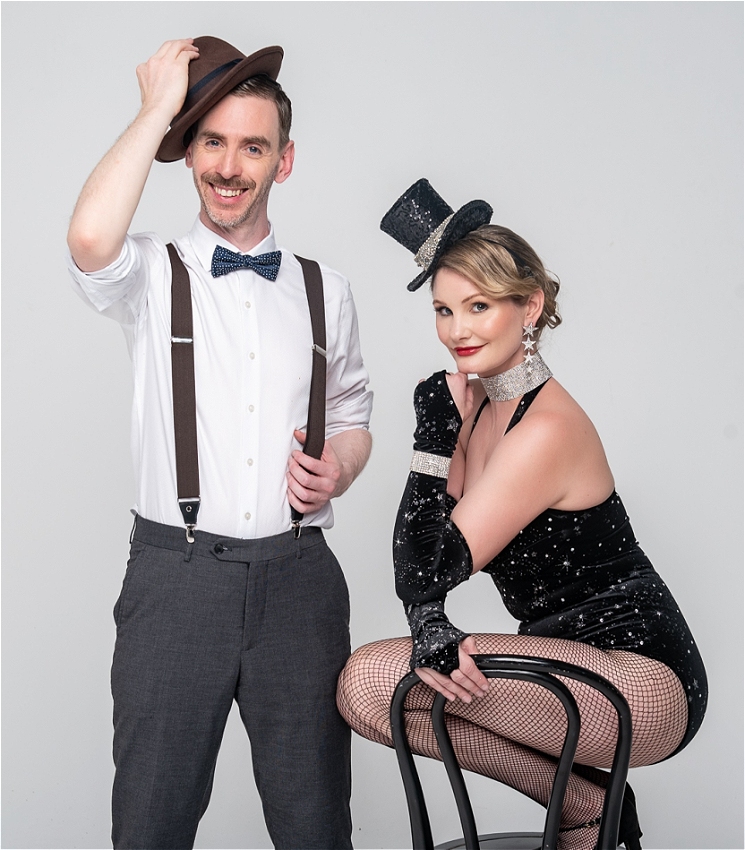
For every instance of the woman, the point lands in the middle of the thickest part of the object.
(509, 477)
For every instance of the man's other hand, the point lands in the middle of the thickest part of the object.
(312, 482)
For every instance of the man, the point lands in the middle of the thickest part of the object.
(232, 604)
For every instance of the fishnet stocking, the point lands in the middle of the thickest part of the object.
(514, 734)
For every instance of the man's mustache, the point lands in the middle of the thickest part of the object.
(233, 183)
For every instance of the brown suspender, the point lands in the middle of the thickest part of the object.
(315, 432)
(184, 394)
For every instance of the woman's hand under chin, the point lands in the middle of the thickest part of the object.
(464, 683)
(462, 393)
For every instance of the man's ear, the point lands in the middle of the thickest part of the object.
(286, 162)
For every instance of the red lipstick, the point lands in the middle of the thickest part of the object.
(467, 352)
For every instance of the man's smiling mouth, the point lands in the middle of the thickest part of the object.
(227, 193)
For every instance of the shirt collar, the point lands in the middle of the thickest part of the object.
(203, 242)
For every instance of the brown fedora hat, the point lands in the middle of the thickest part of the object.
(218, 69)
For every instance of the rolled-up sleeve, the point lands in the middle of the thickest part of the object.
(348, 401)
(119, 291)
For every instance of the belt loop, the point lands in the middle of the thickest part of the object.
(132, 533)
(189, 550)
(298, 547)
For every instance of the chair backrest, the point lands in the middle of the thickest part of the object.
(543, 672)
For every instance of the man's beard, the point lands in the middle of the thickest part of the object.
(239, 218)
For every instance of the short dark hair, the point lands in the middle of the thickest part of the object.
(269, 89)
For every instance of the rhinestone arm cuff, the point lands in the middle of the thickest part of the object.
(430, 464)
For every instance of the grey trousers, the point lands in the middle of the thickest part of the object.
(263, 622)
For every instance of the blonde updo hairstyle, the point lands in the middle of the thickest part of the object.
(502, 265)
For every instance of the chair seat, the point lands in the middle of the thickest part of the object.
(500, 841)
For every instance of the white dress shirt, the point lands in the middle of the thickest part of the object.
(252, 363)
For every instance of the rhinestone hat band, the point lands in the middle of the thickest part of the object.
(521, 379)
(430, 464)
(426, 252)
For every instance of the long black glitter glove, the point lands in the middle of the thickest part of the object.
(430, 554)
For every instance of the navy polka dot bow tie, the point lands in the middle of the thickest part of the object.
(224, 261)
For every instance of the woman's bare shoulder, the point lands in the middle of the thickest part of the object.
(554, 431)
(557, 436)
(556, 404)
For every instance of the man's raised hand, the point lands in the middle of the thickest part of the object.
(164, 78)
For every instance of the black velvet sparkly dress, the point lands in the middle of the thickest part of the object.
(581, 575)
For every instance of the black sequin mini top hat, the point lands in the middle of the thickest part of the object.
(425, 224)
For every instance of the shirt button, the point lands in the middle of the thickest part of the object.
(250, 408)
(250, 461)
(252, 355)
(248, 303)
(247, 515)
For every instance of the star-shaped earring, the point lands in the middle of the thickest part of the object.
(529, 344)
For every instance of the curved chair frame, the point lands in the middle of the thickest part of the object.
(543, 672)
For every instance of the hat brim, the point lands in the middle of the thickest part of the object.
(469, 217)
(267, 61)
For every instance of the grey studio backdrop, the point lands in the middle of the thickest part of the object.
(607, 134)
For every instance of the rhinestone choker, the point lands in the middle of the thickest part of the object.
(521, 379)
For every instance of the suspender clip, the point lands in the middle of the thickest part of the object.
(189, 511)
(296, 528)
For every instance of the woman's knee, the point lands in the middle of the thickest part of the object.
(368, 679)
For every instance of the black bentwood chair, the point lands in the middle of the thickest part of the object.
(543, 672)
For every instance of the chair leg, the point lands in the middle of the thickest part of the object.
(421, 831)
(455, 774)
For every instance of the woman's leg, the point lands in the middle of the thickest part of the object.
(515, 732)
